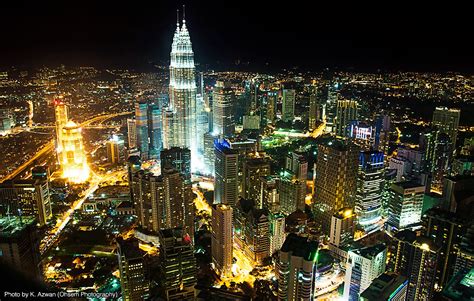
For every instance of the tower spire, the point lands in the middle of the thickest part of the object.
(184, 13)
(177, 17)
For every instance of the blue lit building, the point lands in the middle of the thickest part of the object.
(370, 184)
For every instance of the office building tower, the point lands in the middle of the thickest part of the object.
(226, 174)
(245, 147)
(342, 227)
(382, 133)
(346, 111)
(62, 117)
(439, 157)
(155, 131)
(177, 265)
(370, 185)
(272, 100)
(134, 280)
(330, 109)
(252, 231)
(386, 287)
(209, 156)
(73, 158)
(254, 168)
(361, 134)
(132, 133)
(465, 254)
(269, 195)
(222, 239)
(405, 205)
(223, 110)
(363, 266)
(422, 269)
(292, 193)
(162, 201)
(115, 150)
(297, 164)
(141, 121)
(19, 245)
(400, 250)
(447, 121)
(295, 268)
(446, 229)
(288, 105)
(335, 180)
(28, 198)
(402, 167)
(277, 232)
(313, 109)
(182, 130)
(251, 122)
(177, 158)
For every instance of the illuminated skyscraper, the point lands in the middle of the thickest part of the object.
(295, 268)
(132, 265)
(288, 105)
(115, 150)
(223, 110)
(363, 266)
(346, 111)
(405, 204)
(447, 121)
(226, 174)
(182, 91)
(61, 113)
(132, 133)
(272, 100)
(222, 239)
(254, 168)
(370, 184)
(141, 115)
(179, 159)
(336, 178)
(73, 157)
(177, 265)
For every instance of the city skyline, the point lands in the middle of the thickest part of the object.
(240, 35)
(176, 181)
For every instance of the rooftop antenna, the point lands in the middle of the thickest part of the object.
(177, 17)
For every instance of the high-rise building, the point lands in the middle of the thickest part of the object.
(222, 239)
(162, 201)
(269, 195)
(446, 229)
(19, 245)
(422, 267)
(209, 156)
(295, 268)
(132, 133)
(447, 121)
(386, 287)
(277, 232)
(342, 227)
(141, 121)
(313, 109)
(439, 155)
(465, 254)
(73, 157)
(254, 169)
(226, 174)
(252, 231)
(370, 185)
(61, 116)
(115, 150)
(223, 110)
(292, 193)
(363, 266)
(336, 178)
(297, 164)
(155, 124)
(288, 105)
(182, 90)
(134, 280)
(177, 264)
(272, 100)
(177, 158)
(346, 111)
(28, 198)
(405, 205)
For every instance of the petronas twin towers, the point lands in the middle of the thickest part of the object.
(180, 118)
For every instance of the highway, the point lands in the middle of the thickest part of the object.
(49, 147)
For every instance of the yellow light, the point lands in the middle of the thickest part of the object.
(347, 213)
(73, 158)
(425, 247)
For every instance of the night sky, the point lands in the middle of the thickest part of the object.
(395, 36)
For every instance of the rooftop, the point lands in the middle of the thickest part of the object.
(370, 252)
(300, 247)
